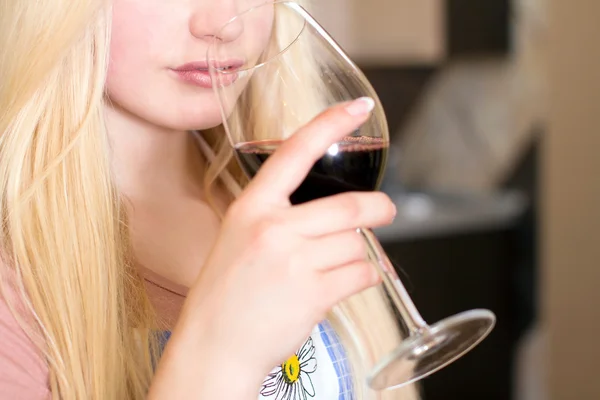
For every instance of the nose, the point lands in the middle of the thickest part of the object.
(213, 19)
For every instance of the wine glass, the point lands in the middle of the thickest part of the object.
(273, 69)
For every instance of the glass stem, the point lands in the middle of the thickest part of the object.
(394, 287)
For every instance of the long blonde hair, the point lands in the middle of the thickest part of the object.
(64, 234)
(63, 228)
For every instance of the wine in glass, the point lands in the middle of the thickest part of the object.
(273, 69)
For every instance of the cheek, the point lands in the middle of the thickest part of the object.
(132, 35)
(131, 48)
(148, 38)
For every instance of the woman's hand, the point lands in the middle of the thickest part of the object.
(277, 269)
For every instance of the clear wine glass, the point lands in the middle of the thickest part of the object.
(273, 69)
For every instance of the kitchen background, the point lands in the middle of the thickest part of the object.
(493, 108)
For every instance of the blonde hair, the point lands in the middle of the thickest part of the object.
(64, 232)
(63, 228)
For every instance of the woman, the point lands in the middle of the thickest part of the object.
(112, 240)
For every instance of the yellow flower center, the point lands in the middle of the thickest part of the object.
(291, 369)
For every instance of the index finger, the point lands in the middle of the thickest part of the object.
(288, 166)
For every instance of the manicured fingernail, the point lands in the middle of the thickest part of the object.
(360, 106)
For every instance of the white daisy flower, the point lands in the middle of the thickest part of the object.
(291, 380)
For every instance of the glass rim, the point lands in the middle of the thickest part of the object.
(308, 19)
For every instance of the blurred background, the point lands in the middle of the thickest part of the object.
(494, 112)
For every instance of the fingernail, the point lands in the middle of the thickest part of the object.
(360, 106)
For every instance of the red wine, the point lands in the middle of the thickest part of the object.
(353, 164)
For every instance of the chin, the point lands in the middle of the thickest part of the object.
(172, 111)
(198, 112)
(202, 118)
(185, 116)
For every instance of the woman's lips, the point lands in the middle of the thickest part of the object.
(199, 78)
(197, 73)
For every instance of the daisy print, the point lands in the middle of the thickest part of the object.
(291, 380)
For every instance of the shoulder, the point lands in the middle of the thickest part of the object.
(23, 371)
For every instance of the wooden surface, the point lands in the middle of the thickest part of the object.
(386, 32)
(571, 202)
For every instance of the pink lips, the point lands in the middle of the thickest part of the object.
(197, 73)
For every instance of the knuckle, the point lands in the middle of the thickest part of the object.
(266, 231)
(329, 122)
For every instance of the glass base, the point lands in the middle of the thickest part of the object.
(435, 347)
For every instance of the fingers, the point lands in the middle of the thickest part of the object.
(334, 250)
(340, 283)
(285, 170)
(342, 212)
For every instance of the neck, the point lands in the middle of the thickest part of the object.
(148, 159)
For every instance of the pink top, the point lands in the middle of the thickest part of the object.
(324, 372)
(23, 370)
